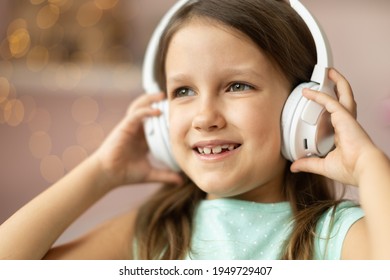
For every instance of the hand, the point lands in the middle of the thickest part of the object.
(352, 143)
(123, 155)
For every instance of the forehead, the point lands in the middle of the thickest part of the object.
(206, 41)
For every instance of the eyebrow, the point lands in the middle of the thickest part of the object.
(242, 71)
(237, 71)
(178, 77)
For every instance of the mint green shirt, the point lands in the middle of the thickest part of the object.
(234, 229)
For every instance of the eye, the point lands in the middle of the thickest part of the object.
(183, 92)
(239, 87)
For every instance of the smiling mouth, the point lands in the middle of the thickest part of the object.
(219, 149)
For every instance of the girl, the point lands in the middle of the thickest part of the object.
(227, 68)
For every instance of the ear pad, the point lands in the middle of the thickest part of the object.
(306, 127)
(157, 136)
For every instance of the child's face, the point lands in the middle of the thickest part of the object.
(226, 99)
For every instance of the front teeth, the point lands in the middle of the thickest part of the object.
(216, 149)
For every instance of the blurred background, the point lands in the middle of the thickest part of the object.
(69, 69)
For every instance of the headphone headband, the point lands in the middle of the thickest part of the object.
(148, 80)
(319, 75)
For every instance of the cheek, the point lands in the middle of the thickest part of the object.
(263, 125)
(256, 117)
(178, 122)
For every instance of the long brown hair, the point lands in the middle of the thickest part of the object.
(164, 223)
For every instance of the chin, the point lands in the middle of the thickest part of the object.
(220, 191)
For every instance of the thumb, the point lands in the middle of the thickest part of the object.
(310, 165)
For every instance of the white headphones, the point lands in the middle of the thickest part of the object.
(306, 127)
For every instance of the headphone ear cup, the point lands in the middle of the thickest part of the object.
(289, 120)
(306, 126)
(157, 136)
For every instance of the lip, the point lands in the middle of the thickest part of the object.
(213, 143)
(210, 144)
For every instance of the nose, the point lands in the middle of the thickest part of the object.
(209, 116)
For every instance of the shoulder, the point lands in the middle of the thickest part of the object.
(110, 240)
(333, 228)
(356, 244)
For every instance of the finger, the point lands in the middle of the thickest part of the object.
(142, 113)
(145, 100)
(133, 121)
(344, 91)
(310, 165)
(330, 104)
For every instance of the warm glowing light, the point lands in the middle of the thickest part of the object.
(40, 144)
(64, 5)
(48, 16)
(72, 156)
(90, 136)
(19, 42)
(13, 112)
(18, 38)
(4, 89)
(37, 2)
(89, 14)
(52, 168)
(18, 23)
(2, 119)
(41, 120)
(106, 4)
(37, 58)
(29, 107)
(85, 110)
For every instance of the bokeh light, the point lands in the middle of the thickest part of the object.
(106, 4)
(52, 168)
(29, 107)
(16, 24)
(64, 47)
(90, 136)
(4, 89)
(40, 121)
(13, 112)
(85, 110)
(48, 16)
(72, 156)
(40, 144)
(2, 118)
(19, 42)
(89, 14)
